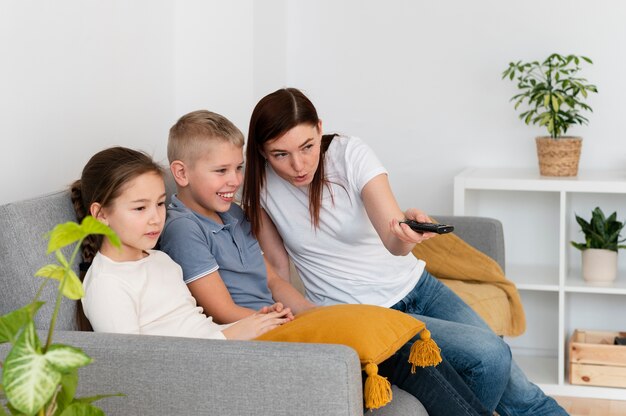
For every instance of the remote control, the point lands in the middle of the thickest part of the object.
(426, 227)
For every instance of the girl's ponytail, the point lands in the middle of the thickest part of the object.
(92, 243)
(87, 251)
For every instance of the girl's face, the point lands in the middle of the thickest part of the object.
(137, 216)
(295, 155)
(214, 179)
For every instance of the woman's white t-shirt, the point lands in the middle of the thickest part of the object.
(146, 296)
(344, 260)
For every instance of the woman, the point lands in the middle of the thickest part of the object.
(326, 203)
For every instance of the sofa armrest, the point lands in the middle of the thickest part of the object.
(484, 234)
(187, 376)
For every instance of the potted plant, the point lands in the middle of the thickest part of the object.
(554, 94)
(599, 251)
(41, 378)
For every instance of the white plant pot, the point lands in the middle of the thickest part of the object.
(599, 265)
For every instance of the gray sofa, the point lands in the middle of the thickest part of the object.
(183, 376)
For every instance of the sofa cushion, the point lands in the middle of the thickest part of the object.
(24, 225)
(375, 332)
(488, 301)
(450, 257)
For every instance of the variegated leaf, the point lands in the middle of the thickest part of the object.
(11, 323)
(65, 358)
(29, 379)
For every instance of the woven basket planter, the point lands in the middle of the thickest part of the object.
(558, 157)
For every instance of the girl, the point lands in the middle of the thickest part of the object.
(134, 289)
(325, 202)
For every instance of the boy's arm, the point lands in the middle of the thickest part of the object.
(184, 241)
(284, 292)
(212, 294)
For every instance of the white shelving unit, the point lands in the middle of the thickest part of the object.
(538, 215)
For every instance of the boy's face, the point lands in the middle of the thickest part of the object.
(214, 179)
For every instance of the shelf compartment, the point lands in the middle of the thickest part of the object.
(539, 369)
(542, 326)
(574, 283)
(534, 277)
(594, 312)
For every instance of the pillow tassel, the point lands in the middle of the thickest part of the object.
(377, 390)
(424, 352)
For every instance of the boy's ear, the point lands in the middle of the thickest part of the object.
(96, 211)
(179, 172)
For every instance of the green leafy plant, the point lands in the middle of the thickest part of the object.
(42, 379)
(600, 232)
(553, 91)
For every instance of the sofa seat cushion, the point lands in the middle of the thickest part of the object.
(489, 301)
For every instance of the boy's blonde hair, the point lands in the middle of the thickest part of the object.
(192, 133)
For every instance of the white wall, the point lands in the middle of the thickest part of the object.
(76, 77)
(79, 76)
(214, 58)
(419, 81)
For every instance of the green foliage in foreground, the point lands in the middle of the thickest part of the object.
(41, 379)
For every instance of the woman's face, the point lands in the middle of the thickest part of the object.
(295, 155)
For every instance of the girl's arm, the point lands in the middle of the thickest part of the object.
(256, 324)
(212, 294)
(385, 214)
(284, 292)
(273, 248)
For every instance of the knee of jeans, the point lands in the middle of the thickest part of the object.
(495, 357)
(500, 357)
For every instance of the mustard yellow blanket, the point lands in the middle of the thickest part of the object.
(449, 257)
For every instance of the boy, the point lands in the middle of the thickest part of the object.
(207, 234)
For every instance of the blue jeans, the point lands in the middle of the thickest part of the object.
(480, 357)
(439, 388)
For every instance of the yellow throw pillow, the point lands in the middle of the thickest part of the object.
(375, 332)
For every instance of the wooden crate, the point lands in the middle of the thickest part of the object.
(595, 361)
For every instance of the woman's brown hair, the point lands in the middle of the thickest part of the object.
(101, 181)
(273, 116)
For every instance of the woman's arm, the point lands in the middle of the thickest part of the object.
(285, 293)
(385, 214)
(273, 248)
(212, 294)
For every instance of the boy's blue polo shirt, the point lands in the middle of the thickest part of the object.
(201, 246)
